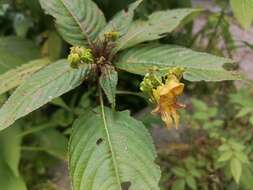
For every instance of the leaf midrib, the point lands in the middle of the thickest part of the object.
(85, 34)
(109, 142)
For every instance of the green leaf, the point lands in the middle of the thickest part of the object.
(195, 173)
(15, 51)
(244, 111)
(180, 172)
(157, 26)
(78, 21)
(10, 149)
(121, 21)
(191, 182)
(178, 185)
(247, 178)
(225, 156)
(251, 120)
(112, 152)
(8, 180)
(220, 74)
(60, 102)
(243, 11)
(199, 105)
(45, 85)
(199, 66)
(242, 157)
(108, 81)
(48, 142)
(54, 46)
(236, 169)
(15, 77)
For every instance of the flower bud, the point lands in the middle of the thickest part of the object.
(112, 36)
(79, 55)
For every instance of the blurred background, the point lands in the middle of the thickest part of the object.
(216, 126)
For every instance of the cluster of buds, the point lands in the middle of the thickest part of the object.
(111, 36)
(163, 91)
(79, 55)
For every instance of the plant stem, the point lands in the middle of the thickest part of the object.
(123, 92)
(37, 129)
(32, 148)
(222, 14)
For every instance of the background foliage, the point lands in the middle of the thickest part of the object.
(211, 150)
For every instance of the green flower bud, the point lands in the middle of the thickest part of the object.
(79, 55)
(113, 36)
(177, 71)
(73, 57)
(149, 82)
(86, 56)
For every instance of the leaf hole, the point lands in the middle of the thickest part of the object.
(125, 185)
(99, 141)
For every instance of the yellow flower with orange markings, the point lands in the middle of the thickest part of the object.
(164, 91)
(166, 99)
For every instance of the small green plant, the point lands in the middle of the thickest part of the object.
(107, 149)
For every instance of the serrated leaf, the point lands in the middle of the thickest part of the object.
(45, 85)
(198, 65)
(121, 21)
(108, 81)
(242, 10)
(112, 154)
(15, 77)
(236, 169)
(178, 185)
(225, 156)
(157, 25)
(15, 51)
(78, 21)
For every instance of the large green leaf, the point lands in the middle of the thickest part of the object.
(243, 11)
(78, 21)
(15, 77)
(108, 81)
(199, 66)
(121, 21)
(15, 51)
(10, 147)
(157, 26)
(236, 169)
(8, 180)
(45, 85)
(114, 153)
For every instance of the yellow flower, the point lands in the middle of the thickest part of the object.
(165, 96)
